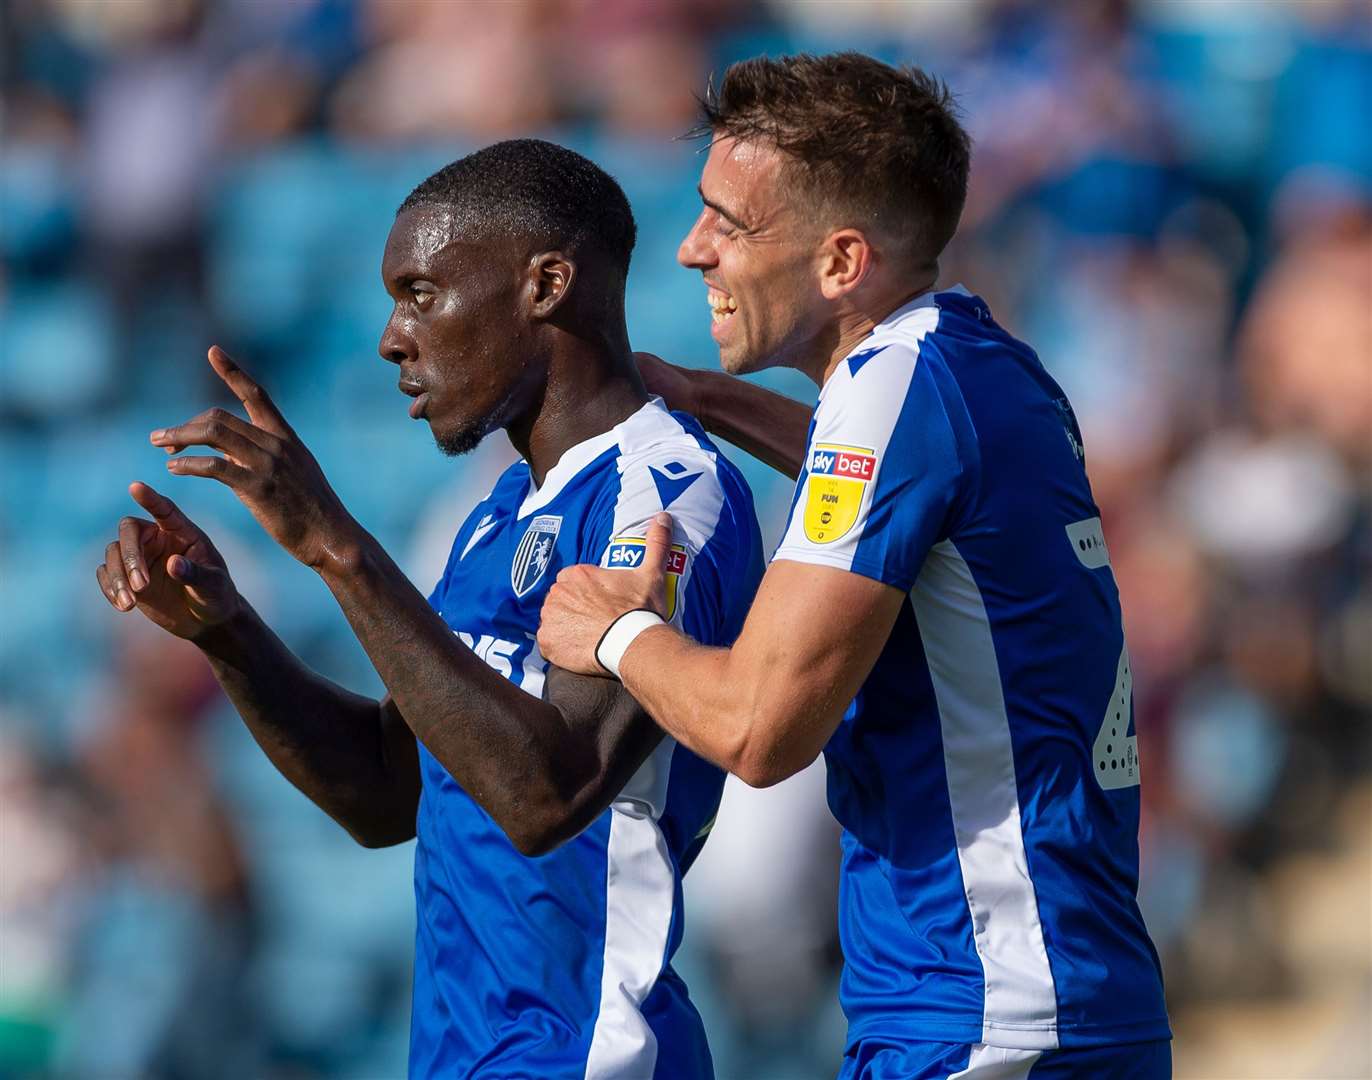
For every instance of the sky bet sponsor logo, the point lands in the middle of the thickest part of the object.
(838, 477)
(626, 553)
(850, 462)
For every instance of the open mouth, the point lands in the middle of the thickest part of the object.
(722, 306)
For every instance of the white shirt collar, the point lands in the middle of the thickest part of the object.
(574, 459)
(906, 313)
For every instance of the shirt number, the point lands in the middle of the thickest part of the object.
(1115, 753)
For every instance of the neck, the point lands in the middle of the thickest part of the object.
(589, 390)
(855, 325)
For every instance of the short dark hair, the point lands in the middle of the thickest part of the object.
(864, 138)
(531, 187)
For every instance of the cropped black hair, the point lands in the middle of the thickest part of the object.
(537, 189)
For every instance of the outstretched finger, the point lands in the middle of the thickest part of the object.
(166, 513)
(223, 432)
(261, 410)
(218, 428)
(216, 468)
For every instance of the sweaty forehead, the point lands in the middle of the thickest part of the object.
(431, 239)
(745, 177)
(417, 239)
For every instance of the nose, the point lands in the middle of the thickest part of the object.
(396, 345)
(696, 252)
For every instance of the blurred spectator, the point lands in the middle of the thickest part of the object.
(1305, 348)
(44, 865)
(637, 64)
(281, 58)
(1237, 491)
(166, 938)
(147, 151)
(483, 69)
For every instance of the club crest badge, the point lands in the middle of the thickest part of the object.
(838, 479)
(534, 553)
(626, 553)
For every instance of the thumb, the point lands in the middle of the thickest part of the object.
(657, 544)
(205, 584)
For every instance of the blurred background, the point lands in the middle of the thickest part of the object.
(1172, 202)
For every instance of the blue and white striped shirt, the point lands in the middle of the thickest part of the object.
(986, 775)
(559, 966)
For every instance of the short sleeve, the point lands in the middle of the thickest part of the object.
(884, 468)
(688, 487)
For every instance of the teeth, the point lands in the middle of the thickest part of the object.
(721, 305)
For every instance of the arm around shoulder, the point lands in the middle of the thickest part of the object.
(770, 426)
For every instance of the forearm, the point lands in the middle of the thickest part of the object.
(768, 425)
(712, 702)
(512, 752)
(328, 742)
(765, 708)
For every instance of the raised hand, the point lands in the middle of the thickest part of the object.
(267, 467)
(167, 568)
(584, 601)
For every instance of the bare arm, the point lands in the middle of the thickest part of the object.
(763, 709)
(768, 425)
(543, 769)
(352, 756)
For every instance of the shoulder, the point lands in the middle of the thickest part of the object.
(653, 435)
(666, 462)
(927, 334)
(893, 416)
(666, 458)
(890, 386)
(877, 378)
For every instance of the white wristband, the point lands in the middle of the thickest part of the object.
(621, 634)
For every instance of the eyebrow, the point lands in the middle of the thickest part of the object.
(730, 218)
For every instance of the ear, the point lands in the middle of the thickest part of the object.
(551, 275)
(845, 260)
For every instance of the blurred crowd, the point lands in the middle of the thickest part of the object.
(1172, 202)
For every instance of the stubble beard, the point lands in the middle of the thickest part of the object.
(460, 442)
(466, 439)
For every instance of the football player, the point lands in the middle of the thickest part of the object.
(940, 619)
(554, 821)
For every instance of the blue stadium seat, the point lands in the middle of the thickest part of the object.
(36, 201)
(66, 319)
(272, 226)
